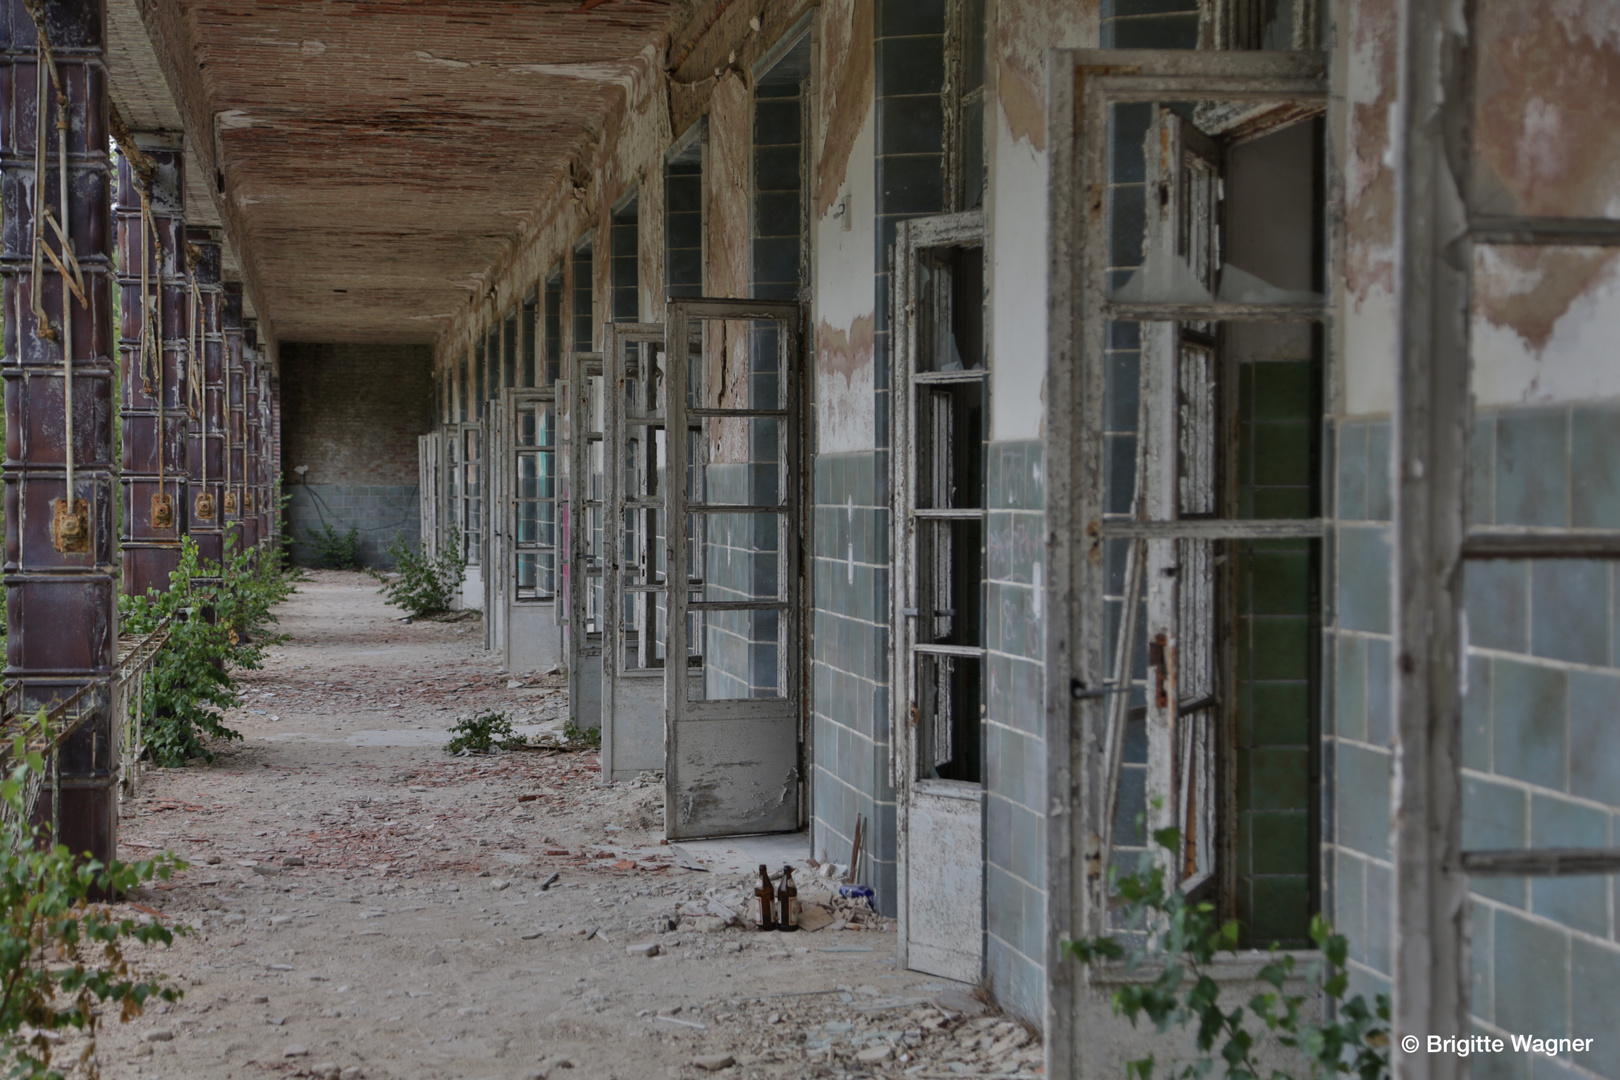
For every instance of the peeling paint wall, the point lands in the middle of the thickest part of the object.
(1543, 665)
(1016, 204)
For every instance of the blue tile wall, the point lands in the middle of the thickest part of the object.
(849, 669)
(1015, 560)
(1541, 722)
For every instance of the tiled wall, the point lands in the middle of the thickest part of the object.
(849, 641)
(1541, 718)
(378, 512)
(1015, 749)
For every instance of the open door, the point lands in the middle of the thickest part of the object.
(635, 607)
(585, 553)
(533, 642)
(735, 502)
(941, 387)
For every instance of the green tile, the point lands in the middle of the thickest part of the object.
(1280, 503)
(1281, 842)
(1281, 582)
(1282, 645)
(1282, 454)
(1279, 777)
(1282, 911)
(1283, 390)
(1280, 713)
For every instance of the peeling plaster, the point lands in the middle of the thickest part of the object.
(1369, 314)
(847, 82)
(1025, 30)
(846, 382)
(845, 386)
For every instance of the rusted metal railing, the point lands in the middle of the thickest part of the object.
(44, 728)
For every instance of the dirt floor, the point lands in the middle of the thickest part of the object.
(366, 905)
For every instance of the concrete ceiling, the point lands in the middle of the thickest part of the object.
(377, 155)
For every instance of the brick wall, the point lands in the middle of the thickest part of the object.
(352, 413)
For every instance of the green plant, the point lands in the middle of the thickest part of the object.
(574, 735)
(426, 584)
(1180, 939)
(61, 956)
(219, 620)
(483, 732)
(335, 550)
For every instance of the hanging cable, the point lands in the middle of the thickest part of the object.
(70, 527)
(196, 393)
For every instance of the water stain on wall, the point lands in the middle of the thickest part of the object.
(846, 48)
(1369, 181)
(844, 383)
(1548, 109)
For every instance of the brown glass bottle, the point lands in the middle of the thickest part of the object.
(787, 902)
(766, 895)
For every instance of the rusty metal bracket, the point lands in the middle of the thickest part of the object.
(162, 515)
(70, 529)
(205, 506)
(230, 502)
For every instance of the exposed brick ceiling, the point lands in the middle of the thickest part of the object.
(381, 154)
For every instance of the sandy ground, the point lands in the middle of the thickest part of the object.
(366, 905)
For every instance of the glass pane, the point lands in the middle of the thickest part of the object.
(743, 655)
(738, 556)
(950, 310)
(736, 364)
(528, 426)
(737, 461)
(528, 574)
(1206, 204)
(642, 364)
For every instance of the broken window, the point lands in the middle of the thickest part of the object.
(535, 519)
(1196, 458)
(472, 493)
(941, 390)
(624, 262)
(945, 497)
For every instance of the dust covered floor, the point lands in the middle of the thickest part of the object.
(366, 905)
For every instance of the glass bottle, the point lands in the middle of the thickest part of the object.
(787, 902)
(766, 895)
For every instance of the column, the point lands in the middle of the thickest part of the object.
(241, 497)
(152, 280)
(58, 374)
(205, 378)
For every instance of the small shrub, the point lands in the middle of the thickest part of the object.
(335, 550)
(574, 735)
(220, 619)
(61, 956)
(1181, 937)
(482, 733)
(426, 584)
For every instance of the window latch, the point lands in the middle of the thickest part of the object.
(1079, 691)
